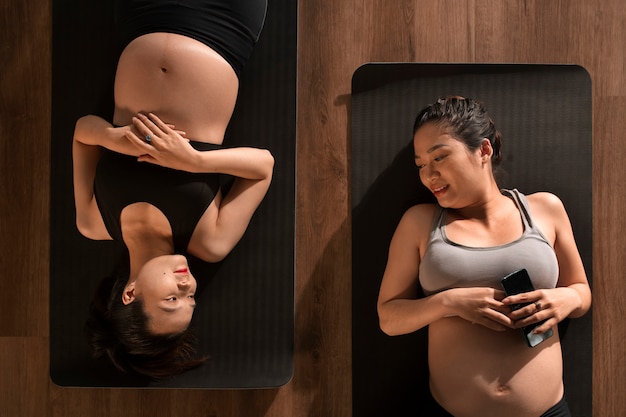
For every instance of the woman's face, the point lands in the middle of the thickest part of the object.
(447, 167)
(166, 288)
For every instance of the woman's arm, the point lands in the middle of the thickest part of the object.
(235, 210)
(400, 312)
(88, 219)
(169, 149)
(571, 270)
(95, 131)
(251, 167)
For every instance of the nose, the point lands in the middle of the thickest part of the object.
(183, 283)
(429, 174)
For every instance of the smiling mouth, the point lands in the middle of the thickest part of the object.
(439, 190)
(182, 271)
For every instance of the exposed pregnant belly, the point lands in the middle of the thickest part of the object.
(183, 81)
(477, 372)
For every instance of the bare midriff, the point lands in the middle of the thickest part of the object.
(475, 371)
(183, 81)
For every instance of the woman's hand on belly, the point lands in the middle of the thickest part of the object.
(480, 305)
(158, 143)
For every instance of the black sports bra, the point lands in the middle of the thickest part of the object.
(230, 27)
(183, 197)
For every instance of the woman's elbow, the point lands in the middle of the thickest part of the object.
(384, 322)
(267, 164)
(215, 252)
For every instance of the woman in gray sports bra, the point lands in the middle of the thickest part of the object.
(459, 250)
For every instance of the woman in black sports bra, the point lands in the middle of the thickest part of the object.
(149, 179)
(459, 250)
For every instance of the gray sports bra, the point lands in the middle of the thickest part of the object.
(447, 264)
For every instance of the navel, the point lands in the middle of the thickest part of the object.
(502, 389)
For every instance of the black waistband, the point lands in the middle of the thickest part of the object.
(204, 146)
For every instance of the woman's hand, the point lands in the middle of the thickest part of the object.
(480, 305)
(552, 305)
(159, 143)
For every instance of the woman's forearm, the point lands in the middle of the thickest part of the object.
(403, 316)
(584, 294)
(247, 163)
(95, 131)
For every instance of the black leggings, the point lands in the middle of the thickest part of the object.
(560, 409)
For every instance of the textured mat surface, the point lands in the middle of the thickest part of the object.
(245, 311)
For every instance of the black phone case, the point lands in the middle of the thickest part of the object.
(516, 283)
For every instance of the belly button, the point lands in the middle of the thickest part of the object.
(163, 69)
(502, 389)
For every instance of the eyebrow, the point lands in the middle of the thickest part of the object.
(433, 149)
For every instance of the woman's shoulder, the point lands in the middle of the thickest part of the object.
(420, 216)
(545, 201)
(548, 211)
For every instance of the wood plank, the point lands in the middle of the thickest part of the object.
(24, 166)
(335, 38)
(23, 376)
(609, 291)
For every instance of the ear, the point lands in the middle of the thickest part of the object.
(128, 295)
(486, 150)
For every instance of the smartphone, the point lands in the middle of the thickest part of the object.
(519, 282)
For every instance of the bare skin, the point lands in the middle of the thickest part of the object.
(165, 82)
(478, 363)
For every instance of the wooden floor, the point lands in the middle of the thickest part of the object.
(335, 38)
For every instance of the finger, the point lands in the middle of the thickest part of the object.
(531, 319)
(499, 295)
(495, 320)
(148, 132)
(164, 127)
(544, 327)
(173, 128)
(150, 125)
(143, 131)
(148, 158)
(523, 312)
(139, 143)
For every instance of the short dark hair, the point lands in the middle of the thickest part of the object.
(120, 333)
(465, 119)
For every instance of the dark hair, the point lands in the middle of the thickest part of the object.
(466, 120)
(120, 333)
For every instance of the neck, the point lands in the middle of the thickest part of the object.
(146, 233)
(485, 206)
(145, 246)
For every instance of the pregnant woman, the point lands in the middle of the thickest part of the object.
(150, 178)
(458, 250)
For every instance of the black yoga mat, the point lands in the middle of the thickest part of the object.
(544, 114)
(244, 318)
